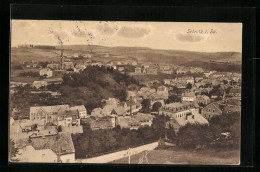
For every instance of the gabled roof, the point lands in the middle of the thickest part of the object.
(119, 110)
(79, 108)
(188, 94)
(49, 109)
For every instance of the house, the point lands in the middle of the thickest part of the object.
(222, 106)
(167, 81)
(53, 66)
(32, 125)
(162, 90)
(189, 80)
(134, 63)
(29, 154)
(119, 111)
(61, 144)
(193, 118)
(97, 113)
(181, 70)
(166, 69)
(120, 68)
(68, 118)
(198, 79)
(41, 112)
(188, 96)
(68, 65)
(81, 110)
(138, 70)
(235, 92)
(151, 71)
(207, 74)
(135, 121)
(211, 110)
(53, 80)
(46, 72)
(203, 99)
(108, 122)
(178, 109)
(59, 115)
(196, 70)
(79, 68)
(39, 84)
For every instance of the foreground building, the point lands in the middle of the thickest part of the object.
(192, 118)
(178, 109)
(135, 121)
(61, 144)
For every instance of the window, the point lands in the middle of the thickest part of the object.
(213, 110)
(209, 109)
(209, 115)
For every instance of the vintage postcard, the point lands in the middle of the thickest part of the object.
(125, 92)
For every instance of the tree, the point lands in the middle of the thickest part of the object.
(59, 128)
(146, 103)
(12, 151)
(189, 86)
(172, 98)
(156, 106)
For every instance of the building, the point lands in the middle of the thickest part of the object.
(32, 125)
(53, 66)
(57, 115)
(177, 109)
(119, 111)
(120, 68)
(188, 96)
(79, 68)
(211, 110)
(220, 107)
(135, 121)
(29, 154)
(181, 70)
(196, 70)
(108, 122)
(203, 99)
(53, 80)
(235, 92)
(193, 118)
(167, 81)
(46, 72)
(61, 144)
(81, 110)
(151, 70)
(39, 84)
(138, 70)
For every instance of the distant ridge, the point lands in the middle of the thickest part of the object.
(140, 54)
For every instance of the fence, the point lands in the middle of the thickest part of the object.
(120, 154)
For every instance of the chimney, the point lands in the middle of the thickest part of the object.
(131, 106)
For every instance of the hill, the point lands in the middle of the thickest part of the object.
(140, 54)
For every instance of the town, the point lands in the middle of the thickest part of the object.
(80, 107)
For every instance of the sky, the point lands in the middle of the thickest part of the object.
(191, 36)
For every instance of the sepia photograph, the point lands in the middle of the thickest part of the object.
(125, 92)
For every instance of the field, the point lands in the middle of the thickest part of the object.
(205, 157)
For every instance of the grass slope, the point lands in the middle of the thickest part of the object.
(203, 157)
